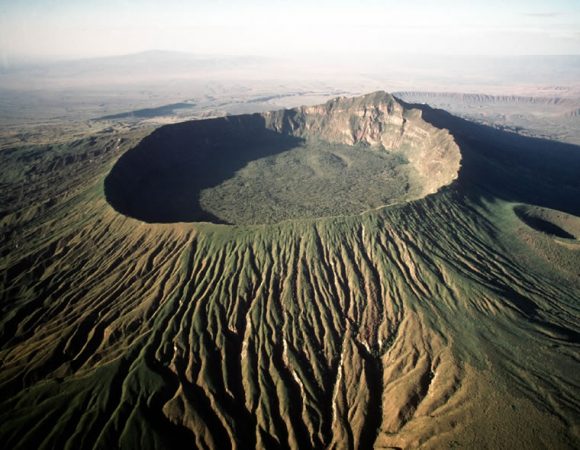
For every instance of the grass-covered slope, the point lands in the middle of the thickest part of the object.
(444, 322)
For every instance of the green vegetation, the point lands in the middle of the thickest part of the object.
(317, 179)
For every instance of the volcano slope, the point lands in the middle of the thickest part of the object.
(447, 319)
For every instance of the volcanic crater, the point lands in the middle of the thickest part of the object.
(344, 157)
(549, 221)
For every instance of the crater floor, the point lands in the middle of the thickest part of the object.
(316, 179)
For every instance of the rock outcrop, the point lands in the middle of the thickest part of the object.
(378, 120)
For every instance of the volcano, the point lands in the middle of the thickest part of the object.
(364, 273)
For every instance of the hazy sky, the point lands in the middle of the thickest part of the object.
(83, 28)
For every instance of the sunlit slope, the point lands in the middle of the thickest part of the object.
(443, 322)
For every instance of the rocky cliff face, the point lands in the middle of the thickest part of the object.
(377, 120)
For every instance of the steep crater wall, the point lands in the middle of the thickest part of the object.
(344, 157)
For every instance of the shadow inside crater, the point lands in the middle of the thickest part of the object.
(543, 225)
(160, 180)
